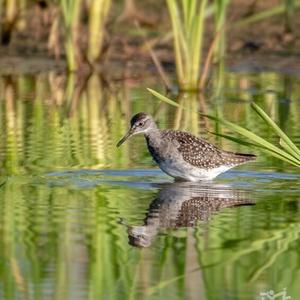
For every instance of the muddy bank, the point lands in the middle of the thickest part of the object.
(143, 67)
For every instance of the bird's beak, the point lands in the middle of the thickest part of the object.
(125, 137)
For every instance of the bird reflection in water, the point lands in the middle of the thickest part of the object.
(183, 204)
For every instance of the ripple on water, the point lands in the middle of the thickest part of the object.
(147, 178)
(86, 215)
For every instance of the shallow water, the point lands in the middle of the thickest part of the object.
(81, 219)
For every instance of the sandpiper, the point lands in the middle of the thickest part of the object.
(181, 154)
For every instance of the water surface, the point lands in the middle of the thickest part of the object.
(81, 219)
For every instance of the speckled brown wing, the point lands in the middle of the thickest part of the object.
(202, 154)
(202, 208)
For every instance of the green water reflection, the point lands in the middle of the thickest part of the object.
(74, 226)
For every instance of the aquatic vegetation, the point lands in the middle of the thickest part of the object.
(79, 28)
(188, 20)
(97, 14)
(188, 26)
(220, 12)
(71, 15)
(286, 150)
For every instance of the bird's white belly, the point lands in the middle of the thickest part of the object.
(186, 171)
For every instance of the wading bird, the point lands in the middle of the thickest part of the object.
(181, 154)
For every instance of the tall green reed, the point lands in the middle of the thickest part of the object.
(98, 12)
(70, 11)
(187, 17)
(220, 19)
(73, 28)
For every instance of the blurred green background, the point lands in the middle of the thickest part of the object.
(74, 208)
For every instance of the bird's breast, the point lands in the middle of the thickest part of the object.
(161, 151)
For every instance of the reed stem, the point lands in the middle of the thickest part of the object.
(187, 17)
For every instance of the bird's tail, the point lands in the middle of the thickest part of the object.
(238, 158)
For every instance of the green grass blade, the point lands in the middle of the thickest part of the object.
(274, 154)
(185, 11)
(196, 43)
(163, 98)
(234, 139)
(192, 11)
(283, 144)
(279, 9)
(288, 145)
(256, 140)
(188, 19)
(262, 149)
(175, 19)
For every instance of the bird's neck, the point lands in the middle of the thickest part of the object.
(153, 134)
(153, 138)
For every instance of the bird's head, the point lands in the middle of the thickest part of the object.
(140, 123)
(141, 236)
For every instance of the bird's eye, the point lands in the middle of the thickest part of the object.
(140, 124)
